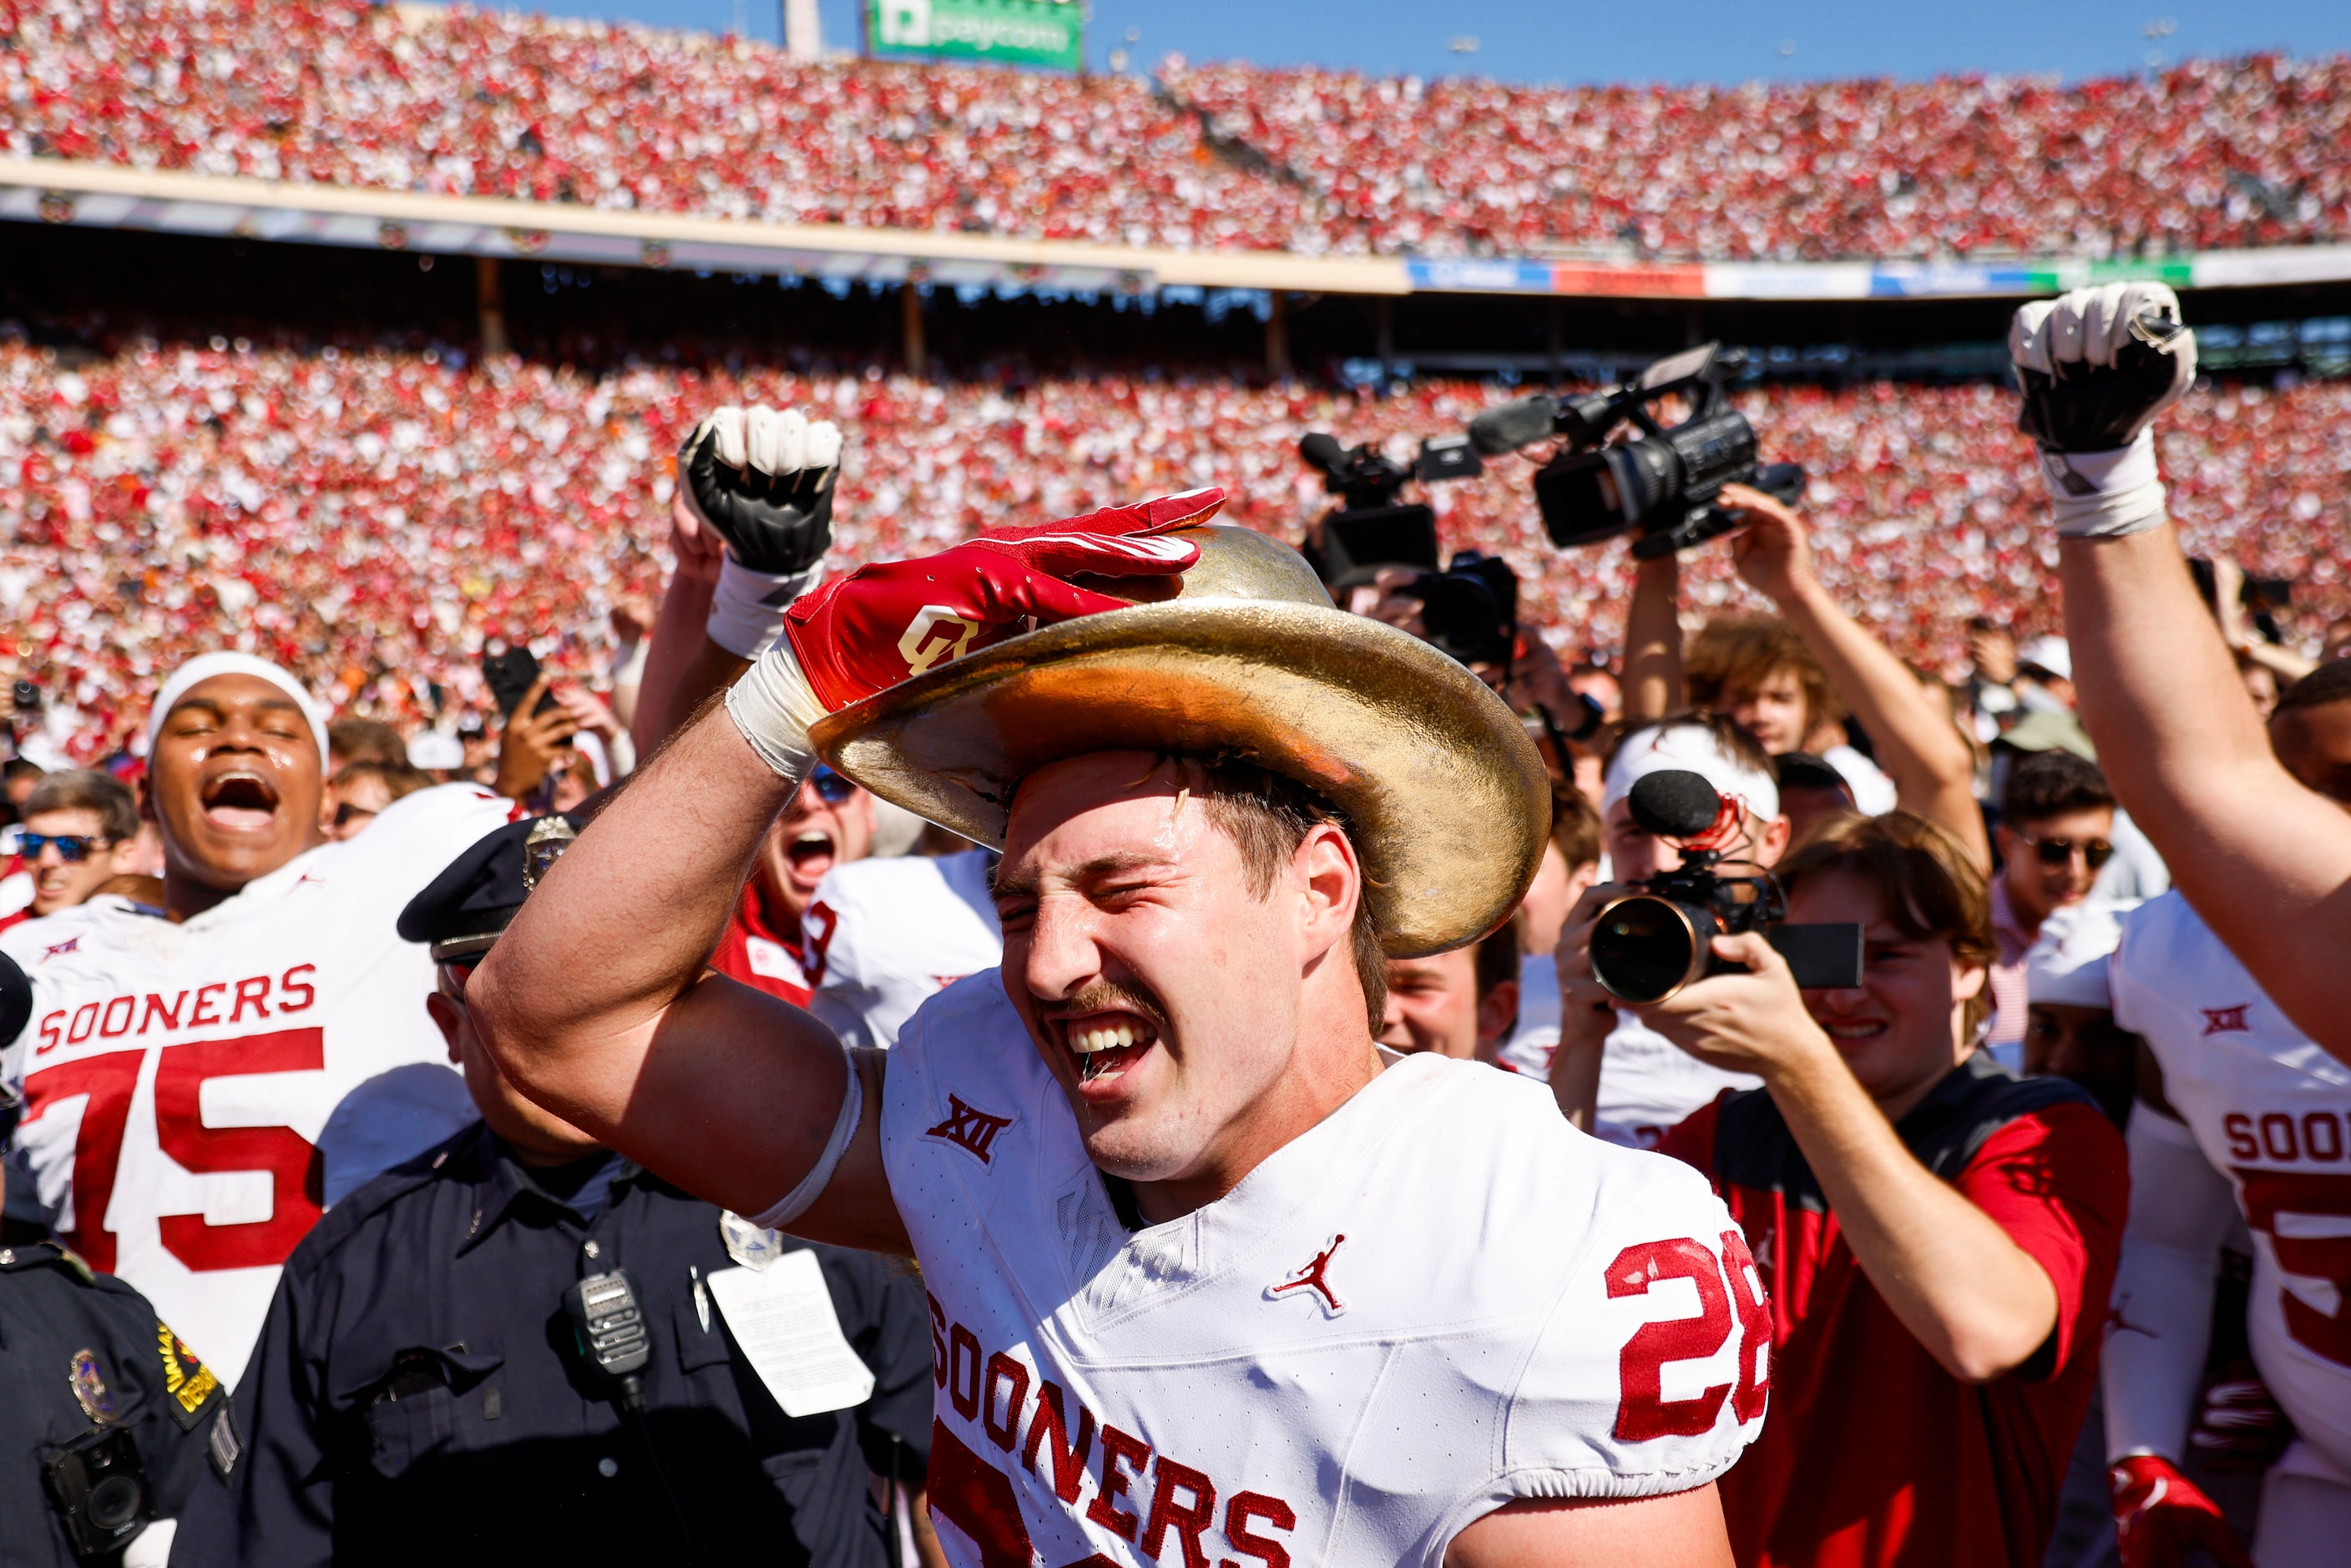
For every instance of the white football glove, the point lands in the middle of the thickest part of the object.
(2096, 365)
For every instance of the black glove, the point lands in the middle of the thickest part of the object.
(2097, 364)
(762, 479)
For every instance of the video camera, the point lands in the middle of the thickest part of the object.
(1662, 483)
(1648, 944)
(1470, 609)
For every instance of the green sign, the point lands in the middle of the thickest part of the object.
(1019, 32)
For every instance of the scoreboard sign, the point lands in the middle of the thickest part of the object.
(1047, 33)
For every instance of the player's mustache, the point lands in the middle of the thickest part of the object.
(1105, 996)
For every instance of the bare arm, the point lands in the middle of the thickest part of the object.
(2237, 630)
(1652, 681)
(596, 1003)
(1932, 769)
(678, 638)
(1680, 1530)
(1974, 1299)
(1587, 1014)
(2265, 861)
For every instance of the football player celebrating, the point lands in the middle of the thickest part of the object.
(1209, 1274)
(197, 1086)
(2235, 980)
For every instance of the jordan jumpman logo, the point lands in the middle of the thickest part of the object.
(1314, 1277)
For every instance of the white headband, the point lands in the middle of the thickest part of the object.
(1692, 748)
(205, 666)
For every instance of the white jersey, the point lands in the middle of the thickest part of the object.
(1437, 1300)
(2270, 1110)
(180, 1080)
(1647, 1084)
(884, 935)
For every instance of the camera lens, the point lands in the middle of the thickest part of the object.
(115, 1503)
(1645, 948)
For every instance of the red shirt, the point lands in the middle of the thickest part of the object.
(1873, 1455)
(762, 947)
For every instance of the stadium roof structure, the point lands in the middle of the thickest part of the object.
(107, 196)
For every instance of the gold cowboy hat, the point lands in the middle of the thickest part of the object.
(1450, 803)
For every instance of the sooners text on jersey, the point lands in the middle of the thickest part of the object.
(1440, 1299)
(2271, 1111)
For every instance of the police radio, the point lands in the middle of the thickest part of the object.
(610, 1328)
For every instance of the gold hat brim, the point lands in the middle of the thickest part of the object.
(1450, 802)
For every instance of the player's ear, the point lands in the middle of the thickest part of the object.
(1329, 880)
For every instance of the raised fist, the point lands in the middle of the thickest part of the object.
(2098, 364)
(762, 480)
(885, 622)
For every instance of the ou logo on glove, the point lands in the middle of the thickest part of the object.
(928, 638)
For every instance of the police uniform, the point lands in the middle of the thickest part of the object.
(85, 1364)
(420, 1391)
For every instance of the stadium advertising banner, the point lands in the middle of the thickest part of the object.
(1047, 33)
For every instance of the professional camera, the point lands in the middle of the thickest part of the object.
(1648, 944)
(1469, 609)
(1661, 483)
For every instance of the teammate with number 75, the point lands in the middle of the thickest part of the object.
(198, 1086)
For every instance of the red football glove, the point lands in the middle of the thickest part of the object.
(2160, 1516)
(868, 631)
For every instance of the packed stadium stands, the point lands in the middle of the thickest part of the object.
(2206, 154)
(371, 516)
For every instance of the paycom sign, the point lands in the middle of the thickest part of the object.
(1050, 32)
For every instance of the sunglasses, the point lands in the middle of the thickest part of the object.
(72, 848)
(346, 813)
(2055, 852)
(831, 787)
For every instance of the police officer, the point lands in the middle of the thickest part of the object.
(521, 1347)
(107, 1419)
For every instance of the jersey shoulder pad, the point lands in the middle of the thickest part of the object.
(1591, 1417)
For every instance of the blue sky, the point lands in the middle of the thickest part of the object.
(1693, 40)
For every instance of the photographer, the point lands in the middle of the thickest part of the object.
(1614, 1076)
(1939, 1236)
(1930, 762)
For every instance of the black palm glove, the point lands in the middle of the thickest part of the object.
(762, 479)
(2097, 364)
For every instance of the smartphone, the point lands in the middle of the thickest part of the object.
(510, 675)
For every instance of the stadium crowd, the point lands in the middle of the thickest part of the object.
(301, 609)
(2205, 154)
(175, 496)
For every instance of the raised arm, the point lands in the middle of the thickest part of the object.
(1932, 769)
(2265, 861)
(597, 1002)
(751, 525)
(1652, 683)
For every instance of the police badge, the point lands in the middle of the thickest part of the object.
(96, 1401)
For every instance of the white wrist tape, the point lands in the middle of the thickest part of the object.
(798, 1201)
(746, 610)
(2105, 495)
(773, 706)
